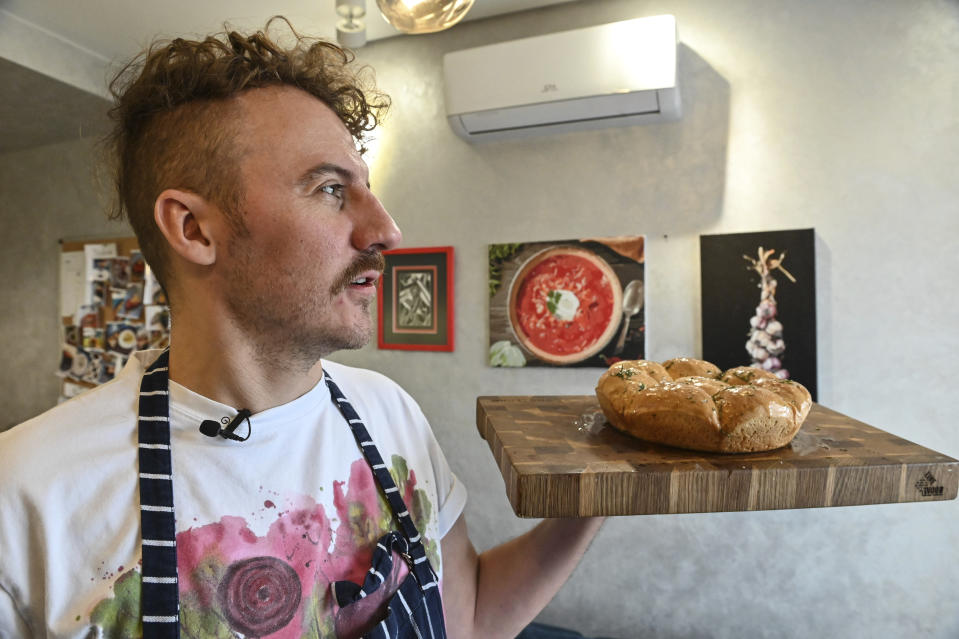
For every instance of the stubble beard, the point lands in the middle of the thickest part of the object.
(289, 325)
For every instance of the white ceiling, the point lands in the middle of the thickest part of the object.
(118, 29)
(35, 110)
(38, 107)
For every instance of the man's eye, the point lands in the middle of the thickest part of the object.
(336, 190)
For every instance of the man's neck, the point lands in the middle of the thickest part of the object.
(226, 367)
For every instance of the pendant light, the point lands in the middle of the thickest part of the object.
(423, 16)
(350, 29)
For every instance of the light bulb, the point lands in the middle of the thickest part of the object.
(423, 16)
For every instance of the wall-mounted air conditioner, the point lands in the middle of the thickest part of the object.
(610, 75)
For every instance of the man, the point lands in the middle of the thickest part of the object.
(326, 508)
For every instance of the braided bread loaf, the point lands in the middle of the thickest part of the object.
(690, 403)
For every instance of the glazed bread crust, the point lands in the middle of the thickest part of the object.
(691, 403)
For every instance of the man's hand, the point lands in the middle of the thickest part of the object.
(498, 593)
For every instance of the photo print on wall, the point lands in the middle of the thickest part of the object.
(759, 302)
(567, 303)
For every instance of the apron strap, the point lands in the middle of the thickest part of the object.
(381, 565)
(419, 564)
(160, 592)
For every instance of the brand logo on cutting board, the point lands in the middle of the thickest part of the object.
(927, 486)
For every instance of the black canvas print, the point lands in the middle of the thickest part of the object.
(759, 302)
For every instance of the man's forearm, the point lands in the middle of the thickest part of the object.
(517, 579)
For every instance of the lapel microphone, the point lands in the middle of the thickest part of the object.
(211, 428)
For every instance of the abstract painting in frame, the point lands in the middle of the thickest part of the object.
(415, 309)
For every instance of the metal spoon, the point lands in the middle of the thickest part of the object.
(632, 304)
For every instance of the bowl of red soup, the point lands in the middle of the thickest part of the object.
(565, 304)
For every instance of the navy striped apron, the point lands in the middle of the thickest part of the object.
(414, 612)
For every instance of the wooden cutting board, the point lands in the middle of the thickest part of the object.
(556, 465)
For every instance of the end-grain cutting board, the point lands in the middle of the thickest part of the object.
(556, 465)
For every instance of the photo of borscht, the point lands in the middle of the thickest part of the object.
(565, 304)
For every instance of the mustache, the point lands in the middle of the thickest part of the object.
(370, 259)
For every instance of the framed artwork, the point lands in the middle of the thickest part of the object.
(415, 309)
(567, 303)
(759, 302)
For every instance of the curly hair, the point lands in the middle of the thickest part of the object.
(172, 125)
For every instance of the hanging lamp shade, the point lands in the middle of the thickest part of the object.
(350, 29)
(423, 16)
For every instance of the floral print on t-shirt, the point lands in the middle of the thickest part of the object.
(234, 582)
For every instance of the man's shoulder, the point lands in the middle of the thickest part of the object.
(369, 387)
(72, 429)
(361, 379)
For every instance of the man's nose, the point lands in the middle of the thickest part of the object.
(376, 228)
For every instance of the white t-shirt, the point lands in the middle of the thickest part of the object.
(298, 490)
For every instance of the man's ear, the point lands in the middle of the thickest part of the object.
(186, 220)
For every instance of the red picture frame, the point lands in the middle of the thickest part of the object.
(415, 300)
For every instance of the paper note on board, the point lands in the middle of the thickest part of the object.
(72, 282)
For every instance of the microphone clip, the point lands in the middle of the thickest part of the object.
(210, 428)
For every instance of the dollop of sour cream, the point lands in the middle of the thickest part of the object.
(563, 304)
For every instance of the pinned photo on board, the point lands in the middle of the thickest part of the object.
(121, 337)
(143, 338)
(132, 306)
(69, 390)
(120, 272)
(153, 293)
(93, 372)
(96, 264)
(101, 269)
(94, 338)
(158, 325)
(87, 315)
(117, 297)
(80, 363)
(71, 335)
(138, 266)
(109, 367)
(68, 354)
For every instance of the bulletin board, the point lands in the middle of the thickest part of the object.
(111, 305)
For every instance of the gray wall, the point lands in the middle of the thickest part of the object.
(47, 193)
(838, 116)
